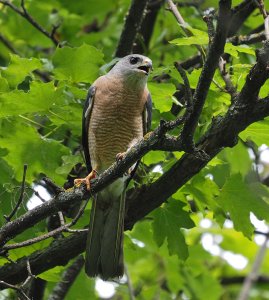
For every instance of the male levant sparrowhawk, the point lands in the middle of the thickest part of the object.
(116, 115)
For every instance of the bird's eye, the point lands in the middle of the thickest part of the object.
(134, 60)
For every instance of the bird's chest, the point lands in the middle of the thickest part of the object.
(116, 123)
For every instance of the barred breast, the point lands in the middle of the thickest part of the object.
(116, 121)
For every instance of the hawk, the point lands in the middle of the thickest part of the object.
(116, 115)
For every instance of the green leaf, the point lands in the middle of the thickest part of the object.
(153, 157)
(79, 64)
(166, 225)
(19, 68)
(239, 200)
(257, 132)
(68, 163)
(3, 85)
(52, 275)
(199, 38)
(239, 159)
(40, 98)
(203, 190)
(26, 146)
(204, 286)
(162, 95)
(233, 50)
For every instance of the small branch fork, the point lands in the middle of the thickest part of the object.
(20, 200)
(230, 88)
(24, 13)
(19, 289)
(63, 228)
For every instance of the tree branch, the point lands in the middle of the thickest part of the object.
(69, 276)
(215, 51)
(253, 275)
(24, 13)
(146, 29)
(131, 27)
(58, 253)
(19, 202)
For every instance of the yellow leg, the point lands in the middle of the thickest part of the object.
(86, 180)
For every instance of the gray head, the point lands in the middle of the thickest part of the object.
(134, 67)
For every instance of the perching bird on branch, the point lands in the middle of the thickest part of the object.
(116, 115)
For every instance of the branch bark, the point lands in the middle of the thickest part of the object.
(215, 51)
(131, 27)
(69, 276)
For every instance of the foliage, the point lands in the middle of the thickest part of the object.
(42, 91)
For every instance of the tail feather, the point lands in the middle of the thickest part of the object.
(112, 241)
(104, 249)
(93, 245)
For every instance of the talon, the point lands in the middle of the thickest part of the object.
(86, 180)
(120, 156)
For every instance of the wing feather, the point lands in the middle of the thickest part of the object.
(85, 125)
(147, 115)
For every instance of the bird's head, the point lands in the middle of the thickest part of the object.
(135, 67)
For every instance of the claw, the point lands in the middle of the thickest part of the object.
(120, 156)
(86, 180)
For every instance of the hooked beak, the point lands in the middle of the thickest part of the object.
(146, 67)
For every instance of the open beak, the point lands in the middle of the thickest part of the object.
(146, 67)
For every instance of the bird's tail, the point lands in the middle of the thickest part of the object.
(104, 249)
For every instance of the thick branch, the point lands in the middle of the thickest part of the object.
(260, 72)
(215, 51)
(58, 253)
(131, 27)
(69, 276)
(147, 26)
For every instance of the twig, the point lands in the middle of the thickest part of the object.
(208, 18)
(24, 13)
(183, 24)
(266, 27)
(45, 77)
(30, 275)
(178, 16)
(52, 186)
(263, 11)
(261, 7)
(63, 228)
(230, 88)
(8, 218)
(253, 275)
(188, 92)
(8, 44)
(247, 39)
(14, 287)
(69, 276)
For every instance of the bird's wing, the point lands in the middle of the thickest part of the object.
(147, 115)
(85, 125)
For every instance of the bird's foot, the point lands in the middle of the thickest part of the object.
(86, 180)
(120, 156)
